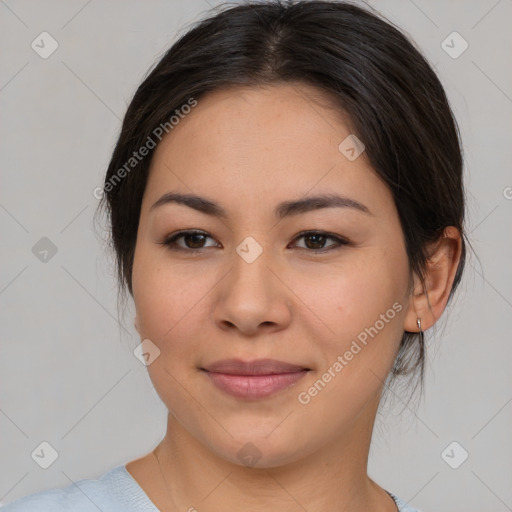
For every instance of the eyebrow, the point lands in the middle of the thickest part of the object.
(282, 210)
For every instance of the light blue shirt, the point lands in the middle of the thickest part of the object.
(114, 491)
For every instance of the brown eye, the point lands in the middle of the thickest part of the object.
(316, 240)
(193, 240)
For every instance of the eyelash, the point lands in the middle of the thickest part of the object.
(170, 241)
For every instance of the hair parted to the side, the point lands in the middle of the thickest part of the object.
(393, 100)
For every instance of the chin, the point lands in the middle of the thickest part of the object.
(259, 450)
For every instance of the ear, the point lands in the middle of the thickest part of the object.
(429, 301)
(135, 323)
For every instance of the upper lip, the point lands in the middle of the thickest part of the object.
(254, 367)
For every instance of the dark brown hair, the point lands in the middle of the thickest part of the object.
(394, 101)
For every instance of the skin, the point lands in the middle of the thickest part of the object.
(249, 149)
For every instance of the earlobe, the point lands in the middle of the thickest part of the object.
(429, 301)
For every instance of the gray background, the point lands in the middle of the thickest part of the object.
(67, 372)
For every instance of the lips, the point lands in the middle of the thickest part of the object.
(256, 367)
(253, 379)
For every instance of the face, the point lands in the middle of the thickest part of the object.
(252, 285)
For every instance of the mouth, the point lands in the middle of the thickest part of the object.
(253, 379)
(252, 368)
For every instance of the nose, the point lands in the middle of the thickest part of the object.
(253, 296)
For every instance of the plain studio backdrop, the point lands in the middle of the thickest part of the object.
(68, 375)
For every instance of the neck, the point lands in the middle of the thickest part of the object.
(197, 478)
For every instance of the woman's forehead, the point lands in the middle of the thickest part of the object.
(272, 133)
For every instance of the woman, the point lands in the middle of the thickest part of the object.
(287, 207)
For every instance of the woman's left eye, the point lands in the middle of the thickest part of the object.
(194, 241)
(319, 238)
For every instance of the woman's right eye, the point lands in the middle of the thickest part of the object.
(193, 241)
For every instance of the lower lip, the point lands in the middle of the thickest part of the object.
(254, 386)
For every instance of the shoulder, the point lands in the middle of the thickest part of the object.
(402, 505)
(107, 493)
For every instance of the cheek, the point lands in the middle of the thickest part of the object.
(152, 304)
(363, 305)
(365, 286)
(169, 301)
